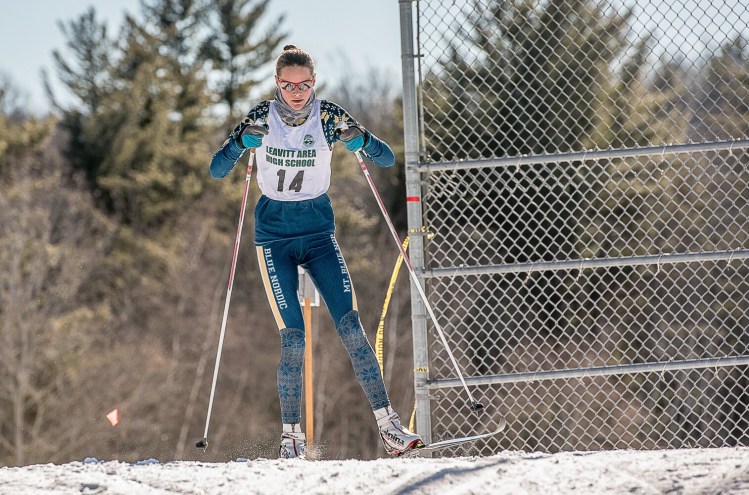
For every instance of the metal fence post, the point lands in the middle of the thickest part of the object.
(413, 198)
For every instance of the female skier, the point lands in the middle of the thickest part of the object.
(294, 226)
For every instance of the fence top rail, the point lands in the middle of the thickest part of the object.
(588, 155)
(585, 263)
(622, 369)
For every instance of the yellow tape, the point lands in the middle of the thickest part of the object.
(422, 230)
(379, 341)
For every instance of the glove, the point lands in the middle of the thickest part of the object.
(252, 136)
(352, 138)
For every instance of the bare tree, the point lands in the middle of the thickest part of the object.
(52, 239)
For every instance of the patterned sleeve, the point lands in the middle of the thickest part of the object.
(331, 115)
(226, 157)
(258, 113)
(374, 148)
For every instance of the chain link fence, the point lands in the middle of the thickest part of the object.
(582, 169)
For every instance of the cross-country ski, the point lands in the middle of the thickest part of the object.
(454, 442)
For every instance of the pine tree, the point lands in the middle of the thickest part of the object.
(86, 76)
(85, 71)
(521, 78)
(236, 49)
(140, 138)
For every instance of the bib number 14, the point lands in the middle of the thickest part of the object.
(296, 182)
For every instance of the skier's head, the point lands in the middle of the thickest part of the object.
(295, 76)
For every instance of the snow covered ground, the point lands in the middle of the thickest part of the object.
(678, 472)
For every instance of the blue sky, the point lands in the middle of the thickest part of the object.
(359, 34)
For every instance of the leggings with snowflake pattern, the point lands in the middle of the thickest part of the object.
(321, 257)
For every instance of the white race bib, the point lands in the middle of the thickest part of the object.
(294, 162)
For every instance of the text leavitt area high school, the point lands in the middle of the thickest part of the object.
(290, 158)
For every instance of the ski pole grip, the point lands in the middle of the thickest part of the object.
(341, 127)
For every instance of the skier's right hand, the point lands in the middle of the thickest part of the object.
(252, 136)
(353, 138)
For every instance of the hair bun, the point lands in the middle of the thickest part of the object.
(293, 56)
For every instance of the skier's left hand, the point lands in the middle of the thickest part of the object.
(353, 138)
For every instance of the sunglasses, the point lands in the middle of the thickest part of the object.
(301, 86)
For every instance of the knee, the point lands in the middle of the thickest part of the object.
(292, 338)
(350, 331)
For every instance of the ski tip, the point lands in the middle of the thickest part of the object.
(202, 443)
(501, 425)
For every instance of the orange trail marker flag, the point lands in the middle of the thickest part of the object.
(114, 417)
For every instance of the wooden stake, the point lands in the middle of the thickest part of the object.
(308, 397)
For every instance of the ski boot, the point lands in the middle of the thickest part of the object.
(293, 442)
(396, 438)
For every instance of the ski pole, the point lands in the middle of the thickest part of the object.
(474, 405)
(203, 442)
